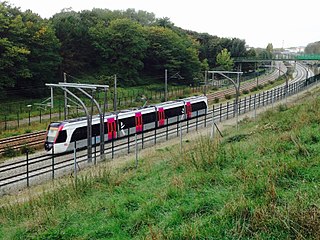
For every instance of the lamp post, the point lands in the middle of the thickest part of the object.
(29, 106)
(68, 111)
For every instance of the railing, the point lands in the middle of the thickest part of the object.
(33, 170)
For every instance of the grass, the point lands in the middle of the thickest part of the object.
(259, 183)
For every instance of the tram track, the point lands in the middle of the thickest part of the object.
(36, 139)
(36, 168)
(15, 143)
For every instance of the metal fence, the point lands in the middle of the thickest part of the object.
(33, 170)
(16, 114)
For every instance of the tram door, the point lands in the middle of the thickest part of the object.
(161, 117)
(138, 121)
(112, 130)
(188, 109)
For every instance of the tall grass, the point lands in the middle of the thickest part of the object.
(258, 183)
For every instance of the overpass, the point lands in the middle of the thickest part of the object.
(280, 57)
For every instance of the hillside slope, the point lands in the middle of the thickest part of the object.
(261, 182)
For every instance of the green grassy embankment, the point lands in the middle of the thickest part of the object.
(259, 183)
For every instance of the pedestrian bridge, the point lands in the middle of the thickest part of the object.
(281, 57)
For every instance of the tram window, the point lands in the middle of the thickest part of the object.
(128, 122)
(96, 130)
(62, 137)
(149, 117)
(79, 134)
(173, 112)
(198, 106)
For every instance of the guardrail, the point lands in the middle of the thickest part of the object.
(33, 170)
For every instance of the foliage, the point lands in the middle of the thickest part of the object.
(121, 46)
(224, 60)
(135, 45)
(28, 49)
(313, 48)
(9, 152)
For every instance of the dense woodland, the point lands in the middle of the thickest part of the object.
(99, 43)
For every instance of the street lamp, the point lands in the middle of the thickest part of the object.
(29, 106)
(68, 110)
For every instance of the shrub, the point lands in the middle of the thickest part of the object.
(253, 89)
(227, 96)
(245, 91)
(27, 131)
(260, 86)
(216, 100)
(9, 152)
(25, 148)
(282, 107)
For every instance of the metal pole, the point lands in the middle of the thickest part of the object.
(212, 128)
(165, 85)
(65, 97)
(205, 82)
(136, 149)
(27, 156)
(237, 97)
(51, 90)
(89, 123)
(180, 136)
(257, 75)
(115, 93)
(75, 160)
(52, 162)
(29, 114)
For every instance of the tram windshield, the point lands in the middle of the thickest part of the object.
(52, 133)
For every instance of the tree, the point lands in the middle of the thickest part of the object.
(28, 49)
(224, 60)
(269, 51)
(172, 51)
(122, 45)
(313, 48)
(72, 29)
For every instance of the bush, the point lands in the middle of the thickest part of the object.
(227, 96)
(25, 148)
(245, 91)
(260, 86)
(216, 100)
(9, 152)
(253, 89)
(282, 107)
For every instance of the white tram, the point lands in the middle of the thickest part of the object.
(61, 135)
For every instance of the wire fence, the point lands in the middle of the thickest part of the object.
(33, 170)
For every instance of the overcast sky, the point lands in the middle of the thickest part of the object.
(286, 23)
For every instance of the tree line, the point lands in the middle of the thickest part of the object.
(99, 43)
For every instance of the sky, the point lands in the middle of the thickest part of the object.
(284, 23)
